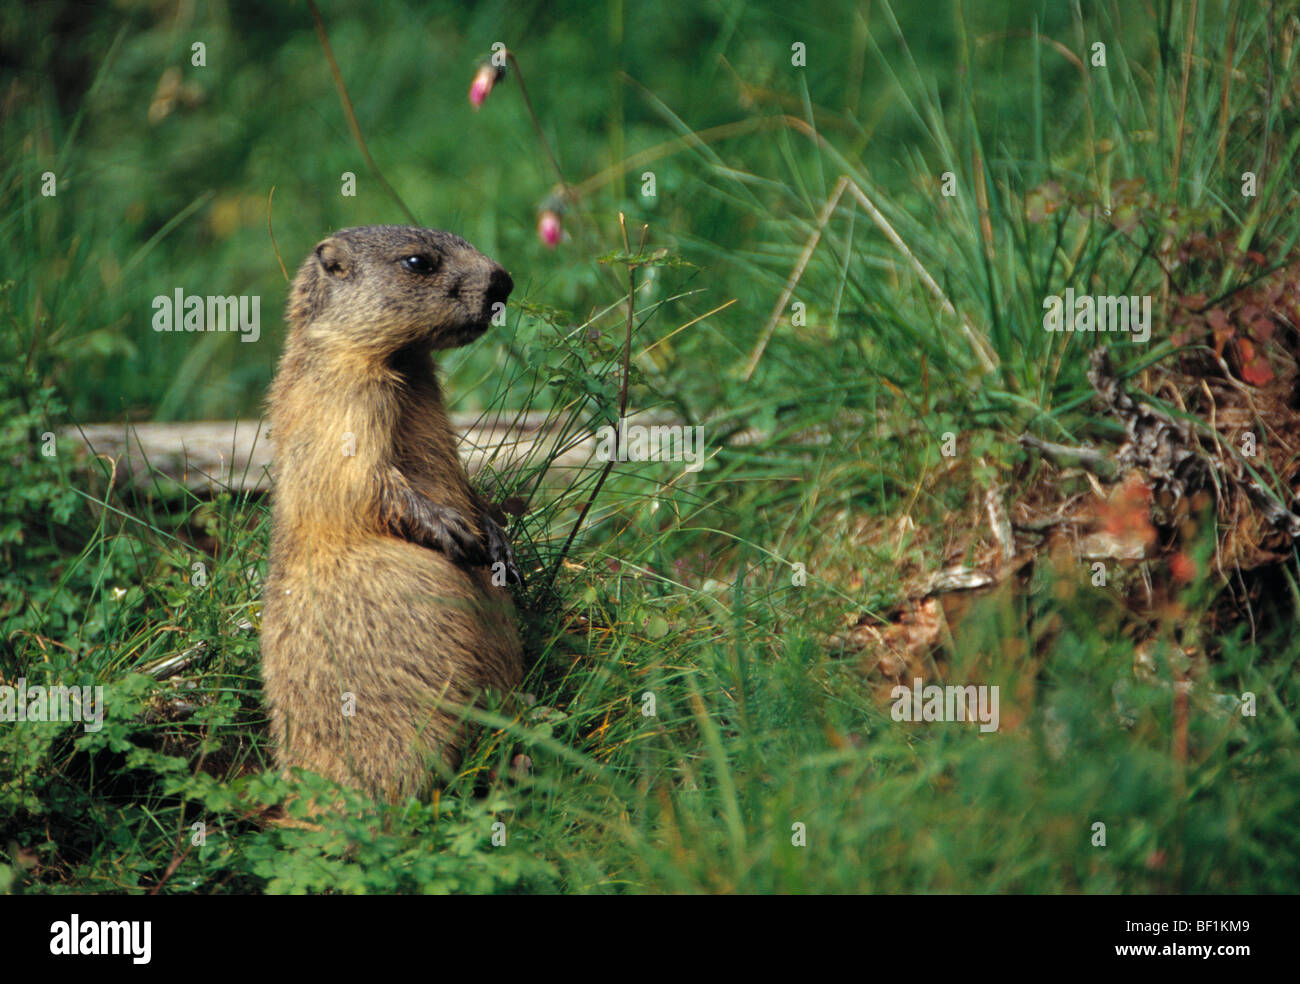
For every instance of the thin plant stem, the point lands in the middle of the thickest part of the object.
(537, 125)
(569, 193)
(351, 116)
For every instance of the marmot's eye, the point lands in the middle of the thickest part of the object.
(419, 263)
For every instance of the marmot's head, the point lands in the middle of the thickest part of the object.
(382, 288)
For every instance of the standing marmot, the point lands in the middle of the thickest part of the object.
(379, 586)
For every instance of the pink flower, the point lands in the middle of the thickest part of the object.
(484, 79)
(548, 228)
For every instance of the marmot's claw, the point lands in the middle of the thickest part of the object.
(499, 551)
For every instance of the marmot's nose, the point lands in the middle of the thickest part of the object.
(499, 286)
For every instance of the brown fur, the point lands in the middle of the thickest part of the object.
(378, 585)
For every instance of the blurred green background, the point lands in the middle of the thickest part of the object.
(164, 168)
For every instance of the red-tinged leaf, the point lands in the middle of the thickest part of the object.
(1126, 514)
(1257, 372)
(1182, 568)
(1254, 367)
(1257, 258)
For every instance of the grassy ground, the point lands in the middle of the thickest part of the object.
(711, 672)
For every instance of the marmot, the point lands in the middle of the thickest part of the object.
(381, 579)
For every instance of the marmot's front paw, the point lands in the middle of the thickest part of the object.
(499, 550)
(448, 530)
(412, 517)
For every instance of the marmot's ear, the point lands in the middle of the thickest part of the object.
(334, 257)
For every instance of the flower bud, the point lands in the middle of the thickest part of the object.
(485, 78)
(548, 228)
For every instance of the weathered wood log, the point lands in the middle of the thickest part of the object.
(236, 454)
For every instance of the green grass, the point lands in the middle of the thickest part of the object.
(682, 591)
